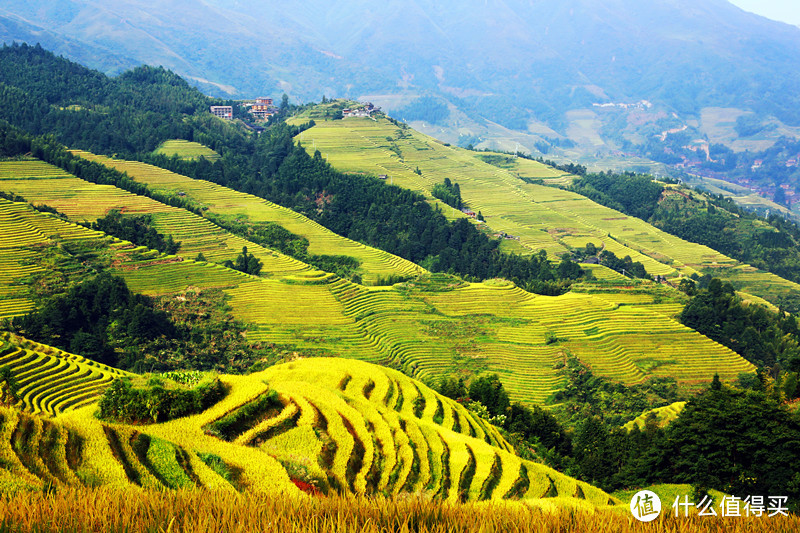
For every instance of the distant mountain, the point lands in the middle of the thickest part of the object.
(508, 61)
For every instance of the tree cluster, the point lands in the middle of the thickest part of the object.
(768, 340)
(94, 318)
(449, 193)
(136, 229)
(245, 262)
(157, 401)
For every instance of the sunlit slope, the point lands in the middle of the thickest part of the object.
(662, 415)
(334, 424)
(299, 309)
(80, 200)
(227, 202)
(52, 381)
(430, 328)
(542, 217)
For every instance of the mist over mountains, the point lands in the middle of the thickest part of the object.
(508, 61)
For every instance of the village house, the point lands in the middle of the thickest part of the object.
(222, 111)
(365, 111)
(262, 108)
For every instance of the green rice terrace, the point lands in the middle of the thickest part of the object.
(313, 424)
(433, 326)
(505, 192)
(186, 150)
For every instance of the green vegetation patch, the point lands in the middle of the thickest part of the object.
(158, 400)
(245, 417)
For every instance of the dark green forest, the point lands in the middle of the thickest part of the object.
(136, 229)
(449, 193)
(768, 340)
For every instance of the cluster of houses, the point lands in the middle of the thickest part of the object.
(365, 111)
(642, 104)
(262, 109)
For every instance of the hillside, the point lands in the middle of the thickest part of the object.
(512, 202)
(326, 423)
(232, 205)
(432, 327)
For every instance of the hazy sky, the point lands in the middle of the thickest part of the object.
(784, 10)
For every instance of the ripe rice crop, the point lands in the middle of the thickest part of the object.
(186, 150)
(196, 511)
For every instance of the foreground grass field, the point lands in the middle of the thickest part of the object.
(507, 194)
(202, 511)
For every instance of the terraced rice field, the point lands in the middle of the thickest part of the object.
(23, 231)
(335, 425)
(489, 327)
(229, 203)
(500, 328)
(527, 169)
(50, 380)
(542, 217)
(81, 200)
(186, 150)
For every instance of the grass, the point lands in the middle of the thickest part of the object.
(202, 511)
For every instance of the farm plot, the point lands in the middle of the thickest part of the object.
(186, 150)
(319, 424)
(248, 208)
(543, 218)
(625, 343)
(24, 232)
(350, 405)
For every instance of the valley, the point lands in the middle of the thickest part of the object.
(323, 307)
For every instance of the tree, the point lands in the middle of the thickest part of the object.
(490, 392)
(245, 262)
